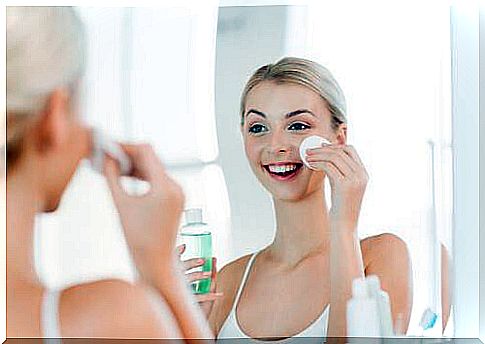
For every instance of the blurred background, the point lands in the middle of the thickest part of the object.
(172, 76)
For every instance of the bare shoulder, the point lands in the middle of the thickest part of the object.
(387, 256)
(228, 281)
(232, 272)
(384, 248)
(115, 309)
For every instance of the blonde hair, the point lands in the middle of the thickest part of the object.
(45, 51)
(305, 73)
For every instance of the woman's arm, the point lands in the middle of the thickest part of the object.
(150, 223)
(345, 265)
(348, 180)
(192, 321)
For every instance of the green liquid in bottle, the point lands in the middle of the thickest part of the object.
(198, 245)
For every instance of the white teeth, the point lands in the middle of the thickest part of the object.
(281, 168)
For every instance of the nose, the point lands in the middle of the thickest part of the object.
(280, 144)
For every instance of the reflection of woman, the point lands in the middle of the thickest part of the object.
(300, 284)
(44, 146)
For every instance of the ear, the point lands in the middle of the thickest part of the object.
(53, 123)
(342, 134)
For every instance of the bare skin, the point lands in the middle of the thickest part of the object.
(54, 143)
(292, 280)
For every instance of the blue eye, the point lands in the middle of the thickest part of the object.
(257, 129)
(298, 126)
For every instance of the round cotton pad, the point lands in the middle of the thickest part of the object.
(311, 142)
(103, 144)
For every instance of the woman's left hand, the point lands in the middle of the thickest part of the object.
(348, 180)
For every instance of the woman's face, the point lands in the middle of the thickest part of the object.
(277, 119)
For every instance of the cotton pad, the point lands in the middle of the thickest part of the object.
(311, 142)
(103, 144)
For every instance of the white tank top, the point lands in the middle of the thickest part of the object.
(231, 328)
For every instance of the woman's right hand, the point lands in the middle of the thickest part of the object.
(205, 301)
(150, 221)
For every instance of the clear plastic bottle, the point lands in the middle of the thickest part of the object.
(362, 313)
(196, 236)
(383, 305)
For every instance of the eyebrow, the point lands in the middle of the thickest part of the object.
(256, 112)
(298, 112)
(288, 115)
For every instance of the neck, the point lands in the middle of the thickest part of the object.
(22, 205)
(302, 228)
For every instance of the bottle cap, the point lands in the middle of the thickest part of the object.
(313, 141)
(374, 284)
(193, 215)
(359, 288)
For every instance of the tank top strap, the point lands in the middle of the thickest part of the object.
(50, 316)
(243, 280)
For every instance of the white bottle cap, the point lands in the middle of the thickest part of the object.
(374, 284)
(311, 142)
(193, 215)
(359, 288)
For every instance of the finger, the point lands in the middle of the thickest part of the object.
(350, 150)
(208, 297)
(192, 263)
(214, 275)
(351, 162)
(112, 173)
(198, 275)
(146, 164)
(334, 158)
(181, 249)
(334, 152)
(330, 169)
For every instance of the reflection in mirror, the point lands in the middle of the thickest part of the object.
(398, 103)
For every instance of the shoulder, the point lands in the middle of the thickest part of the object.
(386, 256)
(114, 308)
(232, 272)
(386, 248)
(229, 279)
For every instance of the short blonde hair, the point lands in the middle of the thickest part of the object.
(305, 73)
(45, 51)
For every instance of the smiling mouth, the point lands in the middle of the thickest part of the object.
(283, 171)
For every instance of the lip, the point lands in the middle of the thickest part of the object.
(290, 177)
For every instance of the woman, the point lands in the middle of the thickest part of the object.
(45, 143)
(300, 284)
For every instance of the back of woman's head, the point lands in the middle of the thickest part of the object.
(305, 73)
(45, 52)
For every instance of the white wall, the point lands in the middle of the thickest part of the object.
(247, 38)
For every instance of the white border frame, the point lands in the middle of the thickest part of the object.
(464, 46)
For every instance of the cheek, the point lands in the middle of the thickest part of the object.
(253, 150)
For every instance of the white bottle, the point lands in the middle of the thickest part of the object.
(383, 305)
(362, 312)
